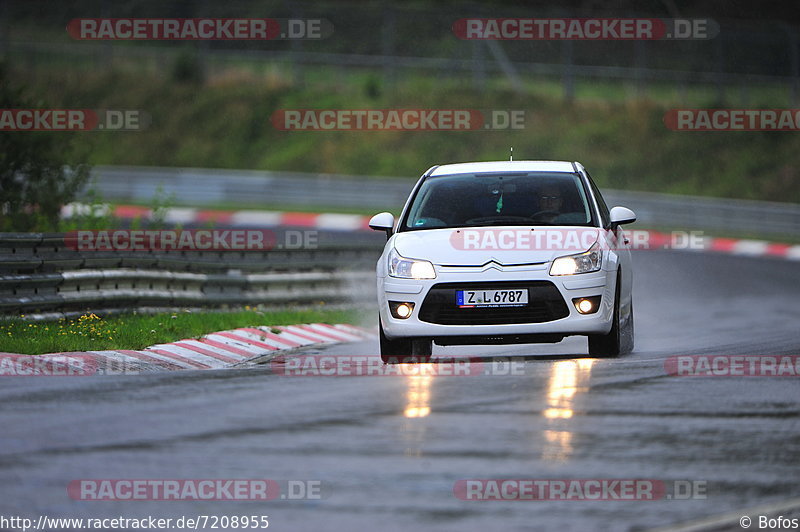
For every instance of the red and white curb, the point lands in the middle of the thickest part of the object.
(248, 218)
(356, 222)
(756, 248)
(217, 350)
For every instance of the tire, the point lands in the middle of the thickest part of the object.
(626, 334)
(404, 350)
(619, 340)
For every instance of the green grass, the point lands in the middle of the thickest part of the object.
(90, 332)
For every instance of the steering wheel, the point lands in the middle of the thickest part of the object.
(544, 214)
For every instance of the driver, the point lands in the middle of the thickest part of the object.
(550, 201)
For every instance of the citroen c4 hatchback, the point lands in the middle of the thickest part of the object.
(504, 252)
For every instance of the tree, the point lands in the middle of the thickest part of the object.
(39, 172)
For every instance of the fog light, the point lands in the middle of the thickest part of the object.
(401, 309)
(587, 305)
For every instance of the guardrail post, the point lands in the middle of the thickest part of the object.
(794, 67)
(478, 66)
(296, 47)
(719, 67)
(640, 60)
(568, 75)
(4, 26)
(388, 32)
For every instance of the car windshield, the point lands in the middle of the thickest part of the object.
(472, 200)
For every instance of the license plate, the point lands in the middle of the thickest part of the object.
(492, 298)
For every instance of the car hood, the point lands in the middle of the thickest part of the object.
(507, 245)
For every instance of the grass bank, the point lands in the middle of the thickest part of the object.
(92, 333)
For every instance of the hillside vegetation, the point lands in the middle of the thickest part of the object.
(224, 122)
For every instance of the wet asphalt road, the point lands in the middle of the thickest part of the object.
(388, 450)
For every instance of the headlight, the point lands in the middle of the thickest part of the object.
(409, 268)
(589, 261)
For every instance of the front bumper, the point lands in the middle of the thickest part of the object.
(601, 283)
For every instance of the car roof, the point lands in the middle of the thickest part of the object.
(504, 166)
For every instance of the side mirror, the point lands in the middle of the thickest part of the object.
(622, 215)
(383, 221)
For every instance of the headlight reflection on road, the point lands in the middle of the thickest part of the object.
(568, 378)
(558, 445)
(418, 394)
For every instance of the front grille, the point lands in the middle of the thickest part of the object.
(544, 304)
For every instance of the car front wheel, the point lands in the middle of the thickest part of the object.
(619, 340)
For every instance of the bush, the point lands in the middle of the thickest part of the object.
(188, 68)
(38, 170)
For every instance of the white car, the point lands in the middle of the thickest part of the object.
(504, 252)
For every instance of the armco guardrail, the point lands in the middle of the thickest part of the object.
(765, 218)
(39, 273)
(198, 186)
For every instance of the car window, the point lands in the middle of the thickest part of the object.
(521, 198)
